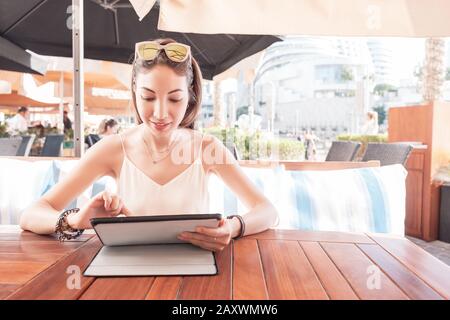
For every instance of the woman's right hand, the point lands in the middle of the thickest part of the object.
(104, 204)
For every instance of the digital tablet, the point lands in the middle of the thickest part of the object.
(143, 230)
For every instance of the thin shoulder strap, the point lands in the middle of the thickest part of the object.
(123, 146)
(200, 150)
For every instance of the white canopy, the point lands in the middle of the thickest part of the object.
(405, 18)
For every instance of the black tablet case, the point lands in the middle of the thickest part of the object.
(148, 246)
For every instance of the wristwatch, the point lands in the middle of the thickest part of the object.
(63, 230)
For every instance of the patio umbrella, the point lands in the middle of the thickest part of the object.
(404, 18)
(14, 58)
(111, 30)
(90, 79)
(15, 99)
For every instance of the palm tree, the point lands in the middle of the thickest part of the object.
(433, 69)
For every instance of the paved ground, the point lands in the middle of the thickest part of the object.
(439, 249)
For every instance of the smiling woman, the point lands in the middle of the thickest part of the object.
(162, 165)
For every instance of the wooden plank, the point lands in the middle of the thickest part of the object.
(164, 288)
(248, 275)
(30, 236)
(20, 272)
(21, 261)
(53, 282)
(7, 289)
(29, 257)
(288, 273)
(411, 284)
(114, 288)
(430, 269)
(357, 268)
(332, 280)
(309, 165)
(316, 236)
(38, 247)
(15, 233)
(211, 287)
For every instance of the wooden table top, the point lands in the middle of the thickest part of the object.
(276, 264)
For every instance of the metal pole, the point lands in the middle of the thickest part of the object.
(61, 102)
(78, 75)
(61, 107)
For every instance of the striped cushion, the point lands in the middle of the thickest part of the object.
(23, 182)
(59, 169)
(222, 199)
(352, 200)
(360, 200)
(20, 185)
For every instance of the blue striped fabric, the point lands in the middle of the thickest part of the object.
(304, 219)
(359, 200)
(353, 200)
(61, 168)
(378, 198)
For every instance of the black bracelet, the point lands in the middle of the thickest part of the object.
(241, 220)
(63, 230)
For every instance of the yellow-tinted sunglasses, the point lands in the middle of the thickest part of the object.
(148, 50)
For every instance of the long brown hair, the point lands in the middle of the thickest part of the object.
(105, 124)
(188, 68)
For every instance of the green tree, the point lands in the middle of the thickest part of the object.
(381, 110)
(346, 74)
(382, 88)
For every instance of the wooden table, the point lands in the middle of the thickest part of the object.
(276, 264)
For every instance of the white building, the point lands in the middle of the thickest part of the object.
(314, 83)
(382, 59)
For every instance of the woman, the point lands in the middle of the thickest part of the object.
(108, 127)
(161, 165)
(371, 126)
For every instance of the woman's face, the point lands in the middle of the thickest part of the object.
(161, 98)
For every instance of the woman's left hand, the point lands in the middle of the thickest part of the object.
(213, 239)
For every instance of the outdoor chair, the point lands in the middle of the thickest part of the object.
(343, 151)
(232, 147)
(388, 153)
(25, 145)
(52, 145)
(92, 139)
(9, 146)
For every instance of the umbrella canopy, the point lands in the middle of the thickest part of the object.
(111, 30)
(14, 58)
(17, 100)
(13, 81)
(90, 79)
(404, 18)
(106, 106)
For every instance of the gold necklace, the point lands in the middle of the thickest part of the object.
(169, 148)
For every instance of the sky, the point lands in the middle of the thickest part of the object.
(407, 53)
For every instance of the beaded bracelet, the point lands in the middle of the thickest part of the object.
(63, 230)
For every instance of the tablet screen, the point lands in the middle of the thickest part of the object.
(140, 230)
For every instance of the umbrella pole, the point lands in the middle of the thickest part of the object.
(61, 107)
(61, 102)
(78, 79)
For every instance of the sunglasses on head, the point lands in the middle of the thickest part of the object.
(148, 50)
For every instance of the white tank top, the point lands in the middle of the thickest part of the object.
(187, 193)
